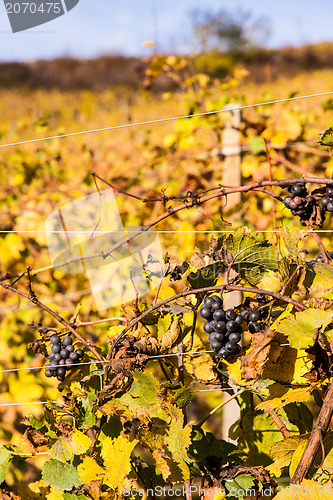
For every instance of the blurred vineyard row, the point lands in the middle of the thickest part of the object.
(170, 158)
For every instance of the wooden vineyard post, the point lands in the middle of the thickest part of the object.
(231, 176)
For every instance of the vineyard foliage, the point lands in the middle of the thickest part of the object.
(132, 416)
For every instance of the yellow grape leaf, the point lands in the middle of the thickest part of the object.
(165, 292)
(89, 471)
(116, 454)
(79, 443)
(198, 366)
(55, 494)
(24, 388)
(282, 453)
(286, 364)
(114, 331)
(11, 247)
(173, 336)
(296, 458)
(280, 396)
(178, 441)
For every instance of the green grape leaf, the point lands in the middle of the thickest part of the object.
(249, 254)
(35, 423)
(326, 138)
(61, 475)
(5, 457)
(242, 484)
(291, 239)
(257, 433)
(300, 329)
(183, 396)
(205, 276)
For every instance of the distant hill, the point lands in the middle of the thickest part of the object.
(115, 70)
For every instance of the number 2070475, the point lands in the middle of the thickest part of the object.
(32, 8)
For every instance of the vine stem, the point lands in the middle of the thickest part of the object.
(316, 437)
(56, 316)
(214, 410)
(277, 420)
(321, 247)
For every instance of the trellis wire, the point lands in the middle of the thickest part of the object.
(150, 122)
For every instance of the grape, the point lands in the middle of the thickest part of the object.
(205, 312)
(213, 323)
(239, 319)
(230, 314)
(55, 339)
(208, 302)
(220, 326)
(287, 200)
(217, 300)
(74, 356)
(232, 326)
(218, 315)
(234, 337)
(208, 327)
(329, 207)
(51, 356)
(223, 353)
(310, 199)
(61, 372)
(245, 314)
(61, 362)
(230, 347)
(263, 313)
(219, 337)
(298, 201)
(67, 341)
(80, 353)
(57, 357)
(48, 373)
(216, 305)
(292, 205)
(329, 191)
(215, 345)
(297, 189)
(254, 327)
(238, 349)
(324, 201)
(64, 353)
(70, 348)
(68, 363)
(56, 348)
(254, 316)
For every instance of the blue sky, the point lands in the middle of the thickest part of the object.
(96, 27)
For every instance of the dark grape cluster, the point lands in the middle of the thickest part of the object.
(327, 199)
(254, 319)
(300, 202)
(62, 357)
(224, 327)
